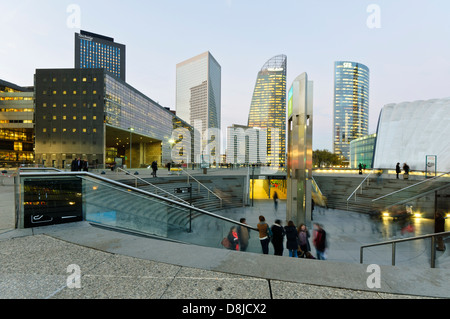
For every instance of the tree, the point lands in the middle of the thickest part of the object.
(324, 158)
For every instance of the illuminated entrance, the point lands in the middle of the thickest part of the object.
(265, 188)
(123, 146)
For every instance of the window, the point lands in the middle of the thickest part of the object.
(74, 117)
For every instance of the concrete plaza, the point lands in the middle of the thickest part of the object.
(36, 263)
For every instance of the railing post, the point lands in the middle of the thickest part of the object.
(361, 255)
(393, 253)
(433, 252)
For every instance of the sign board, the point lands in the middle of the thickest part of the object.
(182, 190)
(430, 166)
(52, 201)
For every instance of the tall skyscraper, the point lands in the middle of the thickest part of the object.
(268, 107)
(198, 97)
(94, 51)
(351, 105)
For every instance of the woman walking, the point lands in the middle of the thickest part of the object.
(264, 238)
(303, 238)
(292, 239)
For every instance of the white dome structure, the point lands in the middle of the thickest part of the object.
(409, 132)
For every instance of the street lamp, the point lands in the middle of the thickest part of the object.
(131, 142)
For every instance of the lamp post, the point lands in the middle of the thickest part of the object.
(131, 143)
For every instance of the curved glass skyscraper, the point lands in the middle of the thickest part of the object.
(268, 108)
(351, 105)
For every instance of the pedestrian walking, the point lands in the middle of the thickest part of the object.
(303, 241)
(278, 238)
(406, 169)
(154, 168)
(233, 238)
(275, 200)
(397, 169)
(292, 239)
(264, 237)
(320, 241)
(243, 235)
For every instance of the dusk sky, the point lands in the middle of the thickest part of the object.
(405, 44)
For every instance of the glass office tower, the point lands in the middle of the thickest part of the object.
(268, 107)
(94, 51)
(351, 105)
(198, 100)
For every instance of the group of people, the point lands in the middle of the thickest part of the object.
(79, 165)
(406, 169)
(297, 239)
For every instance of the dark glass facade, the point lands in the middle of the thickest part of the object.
(93, 51)
(351, 105)
(91, 114)
(268, 107)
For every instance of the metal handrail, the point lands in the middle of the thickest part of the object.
(360, 185)
(400, 190)
(394, 242)
(141, 191)
(200, 184)
(148, 183)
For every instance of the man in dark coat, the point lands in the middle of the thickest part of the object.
(278, 236)
(154, 168)
(397, 169)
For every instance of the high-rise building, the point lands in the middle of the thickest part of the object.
(16, 124)
(268, 108)
(198, 98)
(94, 51)
(351, 105)
(245, 145)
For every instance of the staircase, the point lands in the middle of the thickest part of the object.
(338, 189)
(229, 189)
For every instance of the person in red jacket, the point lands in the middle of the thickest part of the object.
(320, 241)
(233, 238)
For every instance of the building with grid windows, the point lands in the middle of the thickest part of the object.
(351, 105)
(198, 102)
(94, 51)
(268, 108)
(16, 124)
(93, 115)
(246, 145)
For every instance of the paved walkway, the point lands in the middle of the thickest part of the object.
(38, 263)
